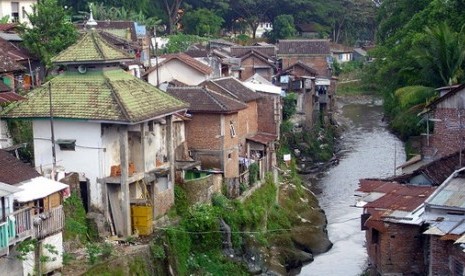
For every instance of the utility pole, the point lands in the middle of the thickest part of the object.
(54, 158)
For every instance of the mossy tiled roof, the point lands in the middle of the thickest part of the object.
(108, 95)
(90, 48)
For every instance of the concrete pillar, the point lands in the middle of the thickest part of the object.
(170, 149)
(125, 198)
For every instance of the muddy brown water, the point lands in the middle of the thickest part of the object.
(368, 151)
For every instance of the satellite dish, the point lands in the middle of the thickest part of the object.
(82, 69)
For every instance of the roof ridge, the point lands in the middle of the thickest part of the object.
(208, 93)
(116, 96)
(225, 89)
(97, 46)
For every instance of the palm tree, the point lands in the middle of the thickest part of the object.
(442, 52)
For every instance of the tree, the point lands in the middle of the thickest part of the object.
(50, 31)
(180, 42)
(252, 11)
(283, 27)
(202, 22)
(442, 52)
(172, 13)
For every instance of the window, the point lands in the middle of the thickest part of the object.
(14, 11)
(374, 236)
(232, 129)
(66, 144)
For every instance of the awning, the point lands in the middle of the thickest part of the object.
(263, 138)
(38, 187)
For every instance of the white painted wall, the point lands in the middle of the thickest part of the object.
(5, 137)
(88, 157)
(176, 70)
(5, 9)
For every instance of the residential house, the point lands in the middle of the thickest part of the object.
(179, 67)
(254, 63)
(213, 131)
(301, 79)
(445, 216)
(341, 53)
(254, 142)
(447, 114)
(393, 224)
(308, 30)
(360, 54)
(269, 104)
(6, 96)
(202, 54)
(10, 71)
(112, 128)
(31, 210)
(263, 27)
(314, 53)
(16, 10)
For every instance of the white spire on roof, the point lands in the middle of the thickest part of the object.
(91, 22)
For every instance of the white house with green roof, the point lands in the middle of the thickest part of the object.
(118, 132)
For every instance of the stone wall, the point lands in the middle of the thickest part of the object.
(163, 199)
(201, 190)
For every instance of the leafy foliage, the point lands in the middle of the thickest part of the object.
(202, 22)
(180, 42)
(289, 106)
(283, 27)
(75, 219)
(50, 31)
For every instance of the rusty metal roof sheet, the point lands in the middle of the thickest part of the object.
(263, 138)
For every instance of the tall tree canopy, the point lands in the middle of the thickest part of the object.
(50, 31)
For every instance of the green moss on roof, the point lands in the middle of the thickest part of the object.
(91, 47)
(110, 95)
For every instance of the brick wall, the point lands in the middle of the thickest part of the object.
(268, 121)
(442, 252)
(247, 125)
(316, 62)
(203, 131)
(248, 68)
(400, 249)
(446, 136)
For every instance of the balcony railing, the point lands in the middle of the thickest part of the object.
(49, 222)
(17, 227)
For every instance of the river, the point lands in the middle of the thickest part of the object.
(369, 151)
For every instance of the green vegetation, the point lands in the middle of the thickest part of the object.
(50, 31)
(202, 22)
(194, 246)
(75, 219)
(420, 46)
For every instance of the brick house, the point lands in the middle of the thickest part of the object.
(394, 227)
(214, 131)
(447, 113)
(445, 215)
(255, 142)
(254, 62)
(315, 53)
(113, 129)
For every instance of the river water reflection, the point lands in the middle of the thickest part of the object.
(370, 152)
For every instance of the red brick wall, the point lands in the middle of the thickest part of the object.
(204, 139)
(441, 254)
(316, 62)
(446, 138)
(231, 146)
(163, 201)
(248, 65)
(247, 125)
(203, 131)
(268, 121)
(399, 250)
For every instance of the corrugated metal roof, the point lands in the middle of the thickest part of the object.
(38, 187)
(451, 194)
(6, 189)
